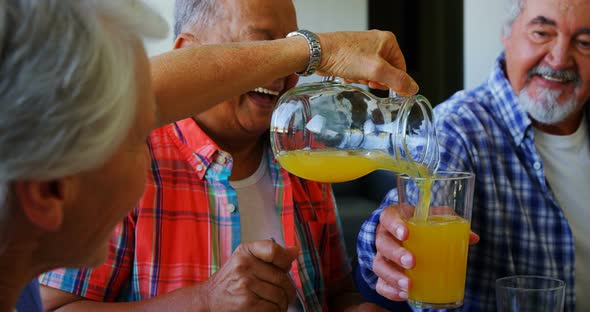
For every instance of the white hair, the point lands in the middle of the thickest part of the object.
(514, 9)
(546, 107)
(192, 13)
(67, 83)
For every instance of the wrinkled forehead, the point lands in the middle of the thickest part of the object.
(275, 16)
(567, 6)
(569, 16)
(562, 8)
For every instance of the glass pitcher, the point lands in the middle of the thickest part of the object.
(333, 132)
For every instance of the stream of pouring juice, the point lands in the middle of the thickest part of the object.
(439, 244)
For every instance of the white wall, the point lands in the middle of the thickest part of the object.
(166, 9)
(315, 15)
(482, 25)
(483, 21)
(332, 15)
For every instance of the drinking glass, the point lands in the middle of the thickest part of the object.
(524, 293)
(437, 212)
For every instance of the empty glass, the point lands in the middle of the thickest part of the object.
(528, 293)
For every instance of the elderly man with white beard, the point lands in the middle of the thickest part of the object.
(524, 133)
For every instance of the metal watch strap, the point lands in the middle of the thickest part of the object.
(315, 50)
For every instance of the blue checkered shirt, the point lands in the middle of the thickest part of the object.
(523, 230)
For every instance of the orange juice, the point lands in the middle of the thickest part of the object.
(439, 245)
(331, 165)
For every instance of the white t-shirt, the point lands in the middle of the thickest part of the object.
(567, 168)
(259, 217)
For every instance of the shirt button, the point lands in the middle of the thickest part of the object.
(221, 160)
(537, 165)
(231, 208)
(199, 167)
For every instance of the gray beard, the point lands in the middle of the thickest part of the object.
(545, 108)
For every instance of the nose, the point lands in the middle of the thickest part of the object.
(560, 55)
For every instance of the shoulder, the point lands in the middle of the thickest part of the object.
(468, 116)
(465, 125)
(165, 146)
(161, 136)
(466, 106)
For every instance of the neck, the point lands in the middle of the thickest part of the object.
(246, 150)
(240, 148)
(16, 270)
(566, 127)
(246, 159)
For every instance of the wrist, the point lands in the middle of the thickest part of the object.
(201, 299)
(314, 48)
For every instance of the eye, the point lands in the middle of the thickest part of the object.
(583, 45)
(539, 34)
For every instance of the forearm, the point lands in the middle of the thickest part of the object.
(190, 80)
(173, 301)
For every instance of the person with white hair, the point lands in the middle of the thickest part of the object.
(77, 102)
(525, 134)
(215, 193)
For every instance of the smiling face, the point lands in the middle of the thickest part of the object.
(548, 61)
(248, 115)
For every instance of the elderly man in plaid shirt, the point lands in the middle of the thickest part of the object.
(524, 132)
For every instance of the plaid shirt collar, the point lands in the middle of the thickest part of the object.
(517, 120)
(198, 147)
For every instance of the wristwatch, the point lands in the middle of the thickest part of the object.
(315, 50)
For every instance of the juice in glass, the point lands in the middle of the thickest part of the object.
(440, 245)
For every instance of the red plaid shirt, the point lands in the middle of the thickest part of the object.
(183, 231)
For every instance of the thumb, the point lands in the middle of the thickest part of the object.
(473, 238)
(293, 253)
(398, 80)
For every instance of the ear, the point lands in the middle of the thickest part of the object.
(42, 202)
(504, 40)
(184, 40)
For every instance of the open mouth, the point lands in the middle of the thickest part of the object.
(560, 79)
(264, 97)
(265, 91)
(554, 76)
